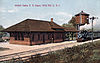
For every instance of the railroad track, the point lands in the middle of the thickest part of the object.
(48, 49)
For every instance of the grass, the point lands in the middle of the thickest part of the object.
(2, 49)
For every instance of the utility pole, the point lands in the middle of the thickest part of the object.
(92, 18)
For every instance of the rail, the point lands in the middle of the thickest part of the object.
(18, 55)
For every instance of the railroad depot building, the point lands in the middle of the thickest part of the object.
(31, 32)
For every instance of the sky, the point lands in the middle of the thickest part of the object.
(11, 13)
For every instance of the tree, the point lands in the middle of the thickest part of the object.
(67, 25)
(1, 27)
(1, 33)
(64, 25)
(73, 22)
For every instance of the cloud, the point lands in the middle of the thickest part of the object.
(11, 11)
(63, 14)
(8, 10)
(62, 17)
(2, 10)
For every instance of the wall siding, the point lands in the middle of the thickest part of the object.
(39, 38)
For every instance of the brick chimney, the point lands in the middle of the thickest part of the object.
(51, 19)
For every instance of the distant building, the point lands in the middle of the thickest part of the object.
(6, 37)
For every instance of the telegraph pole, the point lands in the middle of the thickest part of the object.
(92, 18)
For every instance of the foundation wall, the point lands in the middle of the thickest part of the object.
(25, 42)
